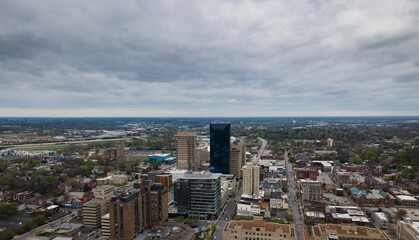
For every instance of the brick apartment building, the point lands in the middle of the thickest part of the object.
(144, 205)
(116, 153)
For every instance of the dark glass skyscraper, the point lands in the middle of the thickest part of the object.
(220, 148)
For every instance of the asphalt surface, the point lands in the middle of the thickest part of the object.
(226, 215)
(260, 153)
(44, 227)
(231, 207)
(294, 204)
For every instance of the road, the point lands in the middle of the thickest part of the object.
(32, 233)
(227, 215)
(293, 202)
(256, 159)
(231, 207)
(27, 145)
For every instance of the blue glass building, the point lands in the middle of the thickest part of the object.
(220, 148)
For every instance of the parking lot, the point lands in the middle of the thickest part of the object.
(15, 221)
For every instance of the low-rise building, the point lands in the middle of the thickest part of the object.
(271, 187)
(311, 192)
(346, 231)
(406, 200)
(119, 179)
(257, 229)
(380, 220)
(103, 190)
(277, 202)
(230, 180)
(407, 229)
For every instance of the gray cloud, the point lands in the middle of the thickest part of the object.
(209, 58)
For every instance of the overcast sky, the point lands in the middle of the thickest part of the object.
(209, 58)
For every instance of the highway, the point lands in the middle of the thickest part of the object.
(294, 205)
(226, 215)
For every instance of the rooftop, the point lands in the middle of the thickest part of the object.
(348, 231)
(186, 134)
(269, 226)
(406, 198)
(201, 175)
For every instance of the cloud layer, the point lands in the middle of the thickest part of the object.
(209, 58)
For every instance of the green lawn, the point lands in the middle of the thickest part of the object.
(42, 148)
(11, 135)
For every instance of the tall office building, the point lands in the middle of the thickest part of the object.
(106, 227)
(186, 151)
(251, 179)
(220, 148)
(199, 193)
(136, 208)
(202, 155)
(93, 210)
(237, 158)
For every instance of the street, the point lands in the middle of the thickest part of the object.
(256, 159)
(32, 233)
(229, 211)
(294, 205)
(227, 215)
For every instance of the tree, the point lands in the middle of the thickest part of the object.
(392, 232)
(213, 228)
(156, 165)
(26, 227)
(310, 222)
(284, 188)
(276, 220)
(6, 234)
(39, 220)
(289, 218)
(401, 213)
(8, 209)
(180, 219)
(32, 164)
(48, 213)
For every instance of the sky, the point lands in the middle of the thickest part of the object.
(209, 58)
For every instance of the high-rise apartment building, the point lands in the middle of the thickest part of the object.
(186, 151)
(330, 142)
(251, 179)
(116, 153)
(237, 158)
(199, 193)
(220, 148)
(136, 208)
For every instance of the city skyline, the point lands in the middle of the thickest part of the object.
(209, 59)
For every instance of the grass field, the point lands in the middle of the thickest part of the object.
(11, 135)
(42, 148)
(54, 146)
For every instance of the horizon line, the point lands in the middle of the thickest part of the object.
(308, 116)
